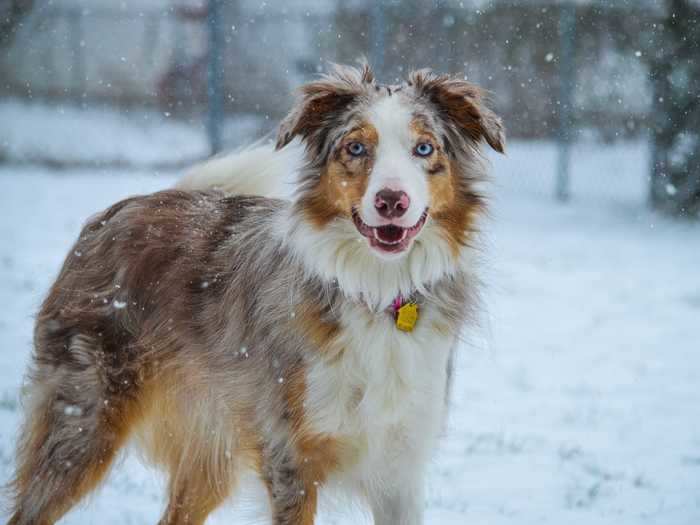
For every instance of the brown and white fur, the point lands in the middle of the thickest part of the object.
(242, 332)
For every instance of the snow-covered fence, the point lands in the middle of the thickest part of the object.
(148, 52)
(146, 55)
(96, 53)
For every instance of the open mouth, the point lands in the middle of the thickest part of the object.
(390, 238)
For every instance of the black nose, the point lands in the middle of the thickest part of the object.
(391, 203)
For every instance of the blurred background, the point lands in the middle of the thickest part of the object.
(206, 75)
(577, 398)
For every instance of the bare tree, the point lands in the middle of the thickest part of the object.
(675, 73)
(11, 13)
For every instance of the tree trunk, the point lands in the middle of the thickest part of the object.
(675, 117)
(11, 13)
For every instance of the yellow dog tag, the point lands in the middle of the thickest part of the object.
(406, 317)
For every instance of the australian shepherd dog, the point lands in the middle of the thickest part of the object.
(309, 340)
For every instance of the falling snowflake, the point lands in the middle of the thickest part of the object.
(73, 410)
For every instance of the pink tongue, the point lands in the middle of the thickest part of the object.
(389, 233)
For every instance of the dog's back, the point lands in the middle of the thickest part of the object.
(256, 170)
(124, 341)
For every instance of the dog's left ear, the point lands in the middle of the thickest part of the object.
(462, 104)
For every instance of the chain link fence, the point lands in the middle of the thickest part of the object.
(556, 71)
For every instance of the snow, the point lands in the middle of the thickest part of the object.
(577, 400)
(65, 135)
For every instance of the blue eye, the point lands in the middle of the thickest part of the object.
(424, 149)
(356, 149)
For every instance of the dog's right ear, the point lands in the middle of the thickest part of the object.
(321, 103)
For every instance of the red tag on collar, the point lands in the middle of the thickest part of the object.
(396, 305)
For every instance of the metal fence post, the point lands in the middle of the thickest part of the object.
(378, 34)
(567, 80)
(215, 99)
(78, 81)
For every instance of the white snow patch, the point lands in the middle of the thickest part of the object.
(575, 402)
(66, 135)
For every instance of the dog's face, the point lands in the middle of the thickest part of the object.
(392, 160)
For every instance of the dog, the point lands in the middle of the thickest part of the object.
(309, 340)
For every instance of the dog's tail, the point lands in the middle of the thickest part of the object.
(256, 170)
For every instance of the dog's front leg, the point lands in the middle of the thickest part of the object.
(292, 501)
(400, 504)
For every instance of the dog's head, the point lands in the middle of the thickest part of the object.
(388, 189)
(392, 159)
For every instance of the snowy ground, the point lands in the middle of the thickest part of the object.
(577, 401)
(66, 136)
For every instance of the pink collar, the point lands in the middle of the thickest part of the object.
(397, 303)
(400, 301)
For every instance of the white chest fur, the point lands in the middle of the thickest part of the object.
(385, 392)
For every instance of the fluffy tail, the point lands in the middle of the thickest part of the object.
(258, 170)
